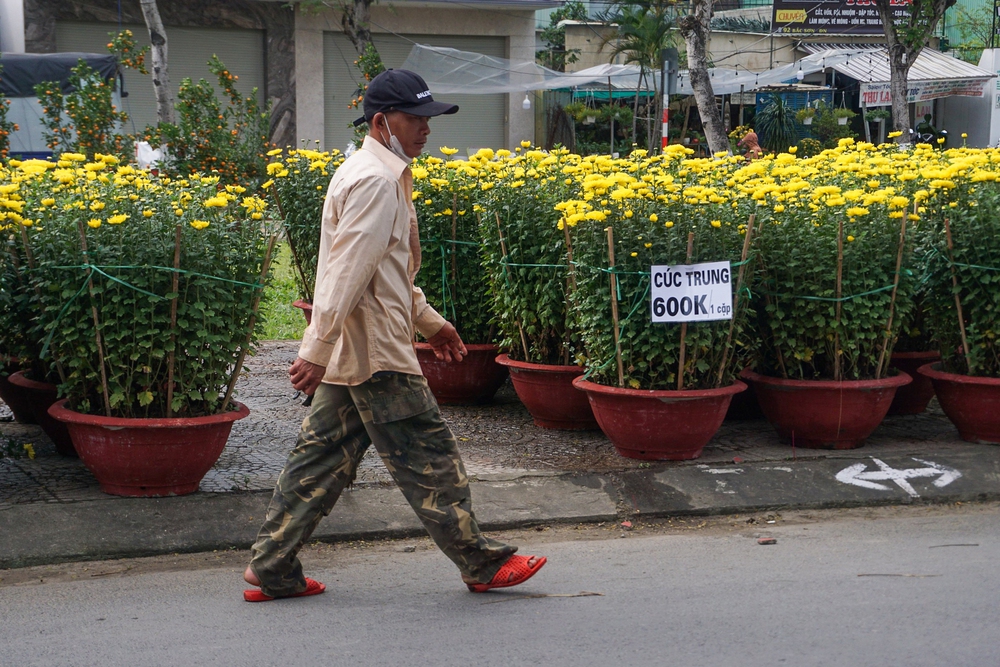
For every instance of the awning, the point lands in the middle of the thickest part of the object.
(932, 75)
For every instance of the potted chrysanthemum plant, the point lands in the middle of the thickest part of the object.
(832, 288)
(531, 275)
(961, 240)
(148, 291)
(659, 383)
(452, 276)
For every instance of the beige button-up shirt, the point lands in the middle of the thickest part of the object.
(365, 305)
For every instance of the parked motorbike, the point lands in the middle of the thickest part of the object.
(929, 136)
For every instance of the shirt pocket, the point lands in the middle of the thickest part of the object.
(396, 407)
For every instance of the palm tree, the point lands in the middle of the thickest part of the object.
(645, 28)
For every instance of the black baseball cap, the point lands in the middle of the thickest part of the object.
(401, 90)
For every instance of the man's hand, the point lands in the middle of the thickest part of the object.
(447, 344)
(306, 376)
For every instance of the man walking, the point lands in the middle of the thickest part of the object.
(357, 361)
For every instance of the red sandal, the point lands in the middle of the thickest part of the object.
(517, 566)
(313, 587)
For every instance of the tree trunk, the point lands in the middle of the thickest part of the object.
(635, 107)
(905, 40)
(355, 21)
(695, 29)
(899, 69)
(161, 78)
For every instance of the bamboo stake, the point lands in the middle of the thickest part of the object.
(27, 248)
(38, 291)
(570, 287)
(892, 301)
(684, 325)
(569, 258)
(736, 299)
(97, 324)
(958, 300)
(517, 321)
(291, 247)
(614, 306)
(840, 280)
(454, 237)
(767, 300)
(17, 266)
(173, 323)
(253, 320)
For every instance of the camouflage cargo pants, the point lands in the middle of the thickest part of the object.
(398, 414)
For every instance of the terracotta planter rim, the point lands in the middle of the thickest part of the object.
(478, 347)
(21, 380)
(587, 385)
(934, 372)
(504, 360)
(303, 304)
(928, 354)
(58, 410)
(897, 380)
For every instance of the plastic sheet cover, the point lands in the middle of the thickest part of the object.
(449, 71)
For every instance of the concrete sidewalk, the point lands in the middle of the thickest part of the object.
(51, 509)
(40, 533)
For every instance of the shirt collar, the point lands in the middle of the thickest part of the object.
(388, 158)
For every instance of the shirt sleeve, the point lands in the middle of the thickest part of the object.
(364, 229)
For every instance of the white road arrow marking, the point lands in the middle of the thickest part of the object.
(858, 475)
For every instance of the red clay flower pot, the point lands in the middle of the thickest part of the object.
(658, 424)
(473, 380)
(307, 310)
(824, 414)
(148, 457)
(912, 399)
(971, 403)
(547, 392)
(14, 396)
(39, 396)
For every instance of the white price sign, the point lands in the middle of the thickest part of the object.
(691, 292)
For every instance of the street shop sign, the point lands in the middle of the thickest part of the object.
(879, 93)
(832, 17)
(691, 292)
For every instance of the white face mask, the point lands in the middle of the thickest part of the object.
(394, 144)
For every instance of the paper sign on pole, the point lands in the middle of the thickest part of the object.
(691, 292)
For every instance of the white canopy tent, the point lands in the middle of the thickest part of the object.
(452, 71)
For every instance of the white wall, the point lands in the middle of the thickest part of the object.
(518, 26)
(12, 26)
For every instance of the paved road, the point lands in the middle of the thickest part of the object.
(905, 586)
